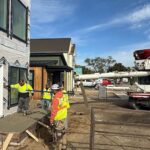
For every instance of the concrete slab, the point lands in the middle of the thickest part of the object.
(18, 123)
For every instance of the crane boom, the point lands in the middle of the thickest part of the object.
(113, 75)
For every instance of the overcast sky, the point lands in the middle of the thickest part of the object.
(98, 27)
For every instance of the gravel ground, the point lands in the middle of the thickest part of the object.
(78, 133)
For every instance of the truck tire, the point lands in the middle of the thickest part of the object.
(133, 104)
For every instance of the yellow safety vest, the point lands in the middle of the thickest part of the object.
(22, 89)
(46, 94)
(62, 110)
(66, 98)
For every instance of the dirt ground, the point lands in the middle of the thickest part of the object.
(108, 136)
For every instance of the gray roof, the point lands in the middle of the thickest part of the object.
(55, 45)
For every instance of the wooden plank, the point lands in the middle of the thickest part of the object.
(45, 77)
(44, 125)
(37, 81)
(7, 141)
(31, 135)
(84, 94)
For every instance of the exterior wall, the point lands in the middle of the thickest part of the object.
(37, 81)
(44, 77)
(40, 80)
(12, 49)
(69, 75)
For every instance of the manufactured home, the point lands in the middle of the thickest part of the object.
(14, 50)
(52, 61)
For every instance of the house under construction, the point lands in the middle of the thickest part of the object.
(14, 50)
(52, 61)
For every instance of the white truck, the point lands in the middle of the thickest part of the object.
(87, 83)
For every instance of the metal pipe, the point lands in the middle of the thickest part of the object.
(117, 88)
(112, 75)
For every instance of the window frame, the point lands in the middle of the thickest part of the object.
(26, 30)
(141, 80)
(32, 72)
(9, 79)
(7, 19)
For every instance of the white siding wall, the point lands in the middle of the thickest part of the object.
(12, 50)
(69, 60)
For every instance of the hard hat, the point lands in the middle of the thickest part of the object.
(55, 87)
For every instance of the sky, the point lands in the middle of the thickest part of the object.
(99, 28)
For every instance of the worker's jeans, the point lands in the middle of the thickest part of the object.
(61, 127)
(23, 105)
(61, 124)
(46, 104)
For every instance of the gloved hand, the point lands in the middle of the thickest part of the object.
(6, 86)
(51, 123)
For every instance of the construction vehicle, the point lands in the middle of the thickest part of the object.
(141, 97)
(141, 94)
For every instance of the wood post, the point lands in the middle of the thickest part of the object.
(84, 94)
(7, 141)
(44, 125)
(31, 135)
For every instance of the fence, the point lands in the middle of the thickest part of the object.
(120, 118)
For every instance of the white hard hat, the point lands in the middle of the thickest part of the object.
(55, 87)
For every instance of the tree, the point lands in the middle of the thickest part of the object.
(117, 67)
(99, 64)
(109, 61)
(87, 70)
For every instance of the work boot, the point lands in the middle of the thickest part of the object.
(64, 147)
(25, 113)
(19, 110)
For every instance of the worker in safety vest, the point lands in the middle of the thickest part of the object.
(24, 90)
(46, 99)
(66, 99)
(59, 111)
(65, 95)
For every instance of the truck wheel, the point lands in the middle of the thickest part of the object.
(133, 104)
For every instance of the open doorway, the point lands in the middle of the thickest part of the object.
(55, 77)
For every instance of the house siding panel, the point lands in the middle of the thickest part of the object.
(12, 49)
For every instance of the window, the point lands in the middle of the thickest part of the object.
(3, 14)
(31, 78)
(19, 20)
(15, 75)
(144, 80)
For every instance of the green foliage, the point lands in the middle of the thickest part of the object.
(118, 67)
(99, 64)
(87, 70)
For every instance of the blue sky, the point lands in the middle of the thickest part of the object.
(98, 27)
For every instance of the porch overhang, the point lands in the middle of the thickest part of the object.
(59, 68)
(50, 65)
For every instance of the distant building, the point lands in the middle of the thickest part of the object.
(14, 50)
(51, 61)
(78, 70)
